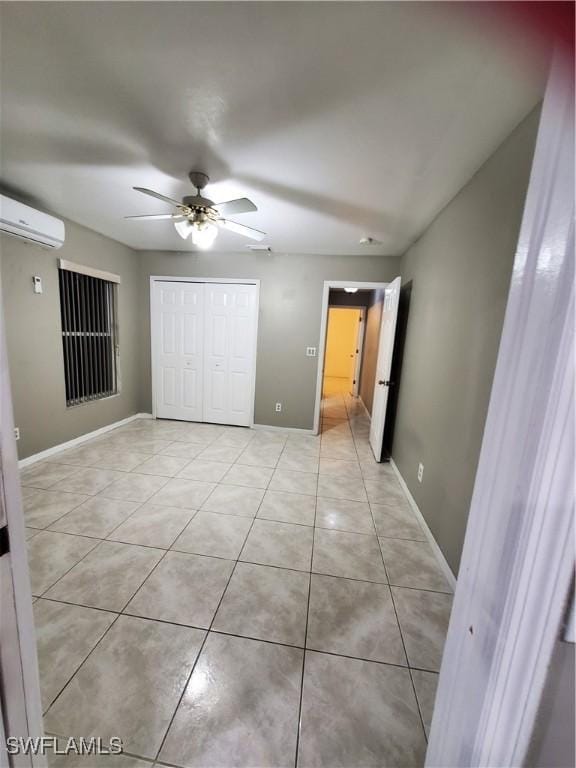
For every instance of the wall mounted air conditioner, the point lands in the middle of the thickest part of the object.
(26, 223)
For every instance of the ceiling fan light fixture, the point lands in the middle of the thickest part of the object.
(204, 234)
(351, 290)
(183, 228)
(199, 216)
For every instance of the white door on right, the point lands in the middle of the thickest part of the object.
(229, 352)
(384, 365)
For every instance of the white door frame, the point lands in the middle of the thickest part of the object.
(360, 347)
(224, 281)
(518, 558)
(323, 329)
(22, 708)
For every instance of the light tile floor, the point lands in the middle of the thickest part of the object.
(221, 597)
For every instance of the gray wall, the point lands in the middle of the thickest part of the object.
(35, 344)
(290, 308)
(370, 351)
(460, 270)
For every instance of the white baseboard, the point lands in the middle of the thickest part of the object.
(79, 440)
(429, 535)
(272, 428)
(366, 411)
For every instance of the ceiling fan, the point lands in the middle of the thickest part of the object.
(200, 217)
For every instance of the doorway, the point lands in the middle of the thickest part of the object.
(368, 298)
(371, 364)
(203, 335)
(343, 356)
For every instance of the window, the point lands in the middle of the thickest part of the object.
(89, 332)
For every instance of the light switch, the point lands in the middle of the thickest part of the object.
(310, 351)
(37, 281)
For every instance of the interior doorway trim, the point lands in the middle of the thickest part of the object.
(359, 350)
(223, 281)
(328, 284)
(517, 565)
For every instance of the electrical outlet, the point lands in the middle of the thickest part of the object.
(420, 472)
(37, 282)
(278, 407)
(310, 351)
(17, 433)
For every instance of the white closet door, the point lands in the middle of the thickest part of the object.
(178, 326)
(229, 353)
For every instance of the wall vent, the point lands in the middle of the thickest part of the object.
(259, 248)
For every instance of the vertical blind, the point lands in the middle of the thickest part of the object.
(88, 312)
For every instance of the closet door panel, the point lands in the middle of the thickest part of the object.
(229, 353)
(178, 318)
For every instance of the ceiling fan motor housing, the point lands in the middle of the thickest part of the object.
(199, 179)
(197, 201)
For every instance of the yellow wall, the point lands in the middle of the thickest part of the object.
(341, 342)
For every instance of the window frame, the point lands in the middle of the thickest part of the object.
(114, 281)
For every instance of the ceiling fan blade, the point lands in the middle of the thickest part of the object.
(158, 196)
(240, 229)
(157, 217)
(242, 205)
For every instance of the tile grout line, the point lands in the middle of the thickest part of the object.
(61, 691)
(200, 650)
(164, 553)
(96, 469)
(285, 447)
(150, 499)
(172, 548)
(79, 535)
(98, 440)
(299, 722)
(236, 635)
(60, 601)
(73, 509)
(135, 513)
(396, 613)
(123, 753)
(411, 668)
(97, 544)
(139, 505)
(93, 607)
(119, 614)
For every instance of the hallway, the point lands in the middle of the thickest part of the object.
(332, 386)
(219, 596)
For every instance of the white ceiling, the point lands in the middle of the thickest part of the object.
(339, 120)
